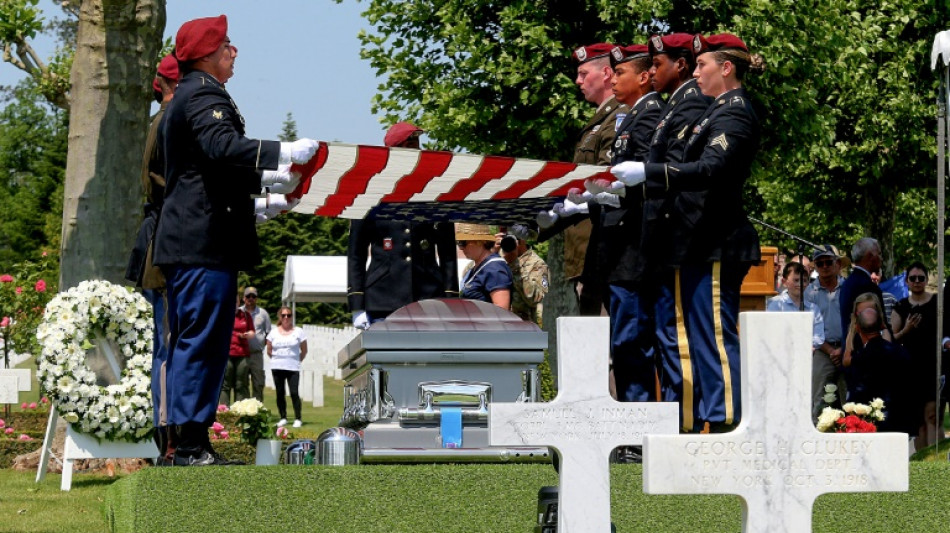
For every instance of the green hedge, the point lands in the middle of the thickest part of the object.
(466, 498)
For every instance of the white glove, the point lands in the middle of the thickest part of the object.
(578, 197)
(360, 320)
(631, 173)
(569, 208)
(260, 218)
(278, 203)
(606, 198)
(546, 219)
(299, 151)
(281, 180)
(595, 187)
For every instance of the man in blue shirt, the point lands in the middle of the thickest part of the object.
(790, 300)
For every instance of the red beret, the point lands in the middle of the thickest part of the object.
(722, 41)
(156, 87)
(200, 37)
(399, 133)
(168, 68)
(592, 51)
(669, 43)
(622, 54)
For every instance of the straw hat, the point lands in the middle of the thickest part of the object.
(473, 232)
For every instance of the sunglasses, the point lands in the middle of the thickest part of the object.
(826, 262)
(284, 315)
(461, 244)
(251, 296)
(916, 279)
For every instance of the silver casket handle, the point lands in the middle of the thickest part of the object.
(472, 396)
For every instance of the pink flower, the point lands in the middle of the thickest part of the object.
(3, 423)
(44, 399)
(282, 432)
(40, 286)
(214, 436)
(44, 254)
(24, 405)
(217, 427)
(4, 322)
(223, 408)
(24, 436)
(8, 431)
(19, 290)
(6, 278)
(224, 435)
(32, 405)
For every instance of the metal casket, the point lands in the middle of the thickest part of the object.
(418, 384)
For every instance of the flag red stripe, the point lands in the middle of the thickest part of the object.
(551, 170)
(430, 165)
(579, 183)
(370, 160)
(492, 168)
(308, 169)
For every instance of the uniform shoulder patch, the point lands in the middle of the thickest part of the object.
(653, 103)
(691, 91)
(737, 100)
(217, 114)
(720, 141)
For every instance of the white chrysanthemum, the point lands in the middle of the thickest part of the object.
(827, 418)
(862, 410)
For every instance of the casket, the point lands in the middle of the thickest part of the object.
(418, 385)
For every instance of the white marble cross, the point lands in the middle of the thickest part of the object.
(8, 390)
(775, 460)
(583, 422)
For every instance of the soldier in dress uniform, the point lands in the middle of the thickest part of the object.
(410, 261)
(710, 243)
(617, 232)
(206, 230)
(593, 147)
(529, 273)
(153, 185)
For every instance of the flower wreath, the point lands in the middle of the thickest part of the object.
(72, 319)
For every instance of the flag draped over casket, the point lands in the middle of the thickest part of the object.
(350, 181)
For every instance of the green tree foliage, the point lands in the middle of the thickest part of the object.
(846, 103)
(20, 23)
(296, 234)
(32, 166)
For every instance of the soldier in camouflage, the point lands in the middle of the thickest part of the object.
(529, 271)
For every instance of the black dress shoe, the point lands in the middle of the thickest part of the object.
(202, 458)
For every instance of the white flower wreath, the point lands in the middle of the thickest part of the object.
(70, 324)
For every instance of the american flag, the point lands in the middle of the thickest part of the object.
(351, 181)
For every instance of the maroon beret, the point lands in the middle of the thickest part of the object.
(592, 51)
(722, 41)
(168, 68)
(156, 87)
(399, 133)
(673, 42)
(622, 54)
(200, 37)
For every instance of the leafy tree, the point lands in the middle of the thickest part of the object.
(20, 22)
(296, 234)
(845, 104)
(32, 162)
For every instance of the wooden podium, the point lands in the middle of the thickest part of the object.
(759, 283)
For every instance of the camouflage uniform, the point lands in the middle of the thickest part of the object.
(530, 274)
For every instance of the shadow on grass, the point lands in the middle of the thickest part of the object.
(94, 482)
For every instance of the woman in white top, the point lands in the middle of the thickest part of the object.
(286, 347)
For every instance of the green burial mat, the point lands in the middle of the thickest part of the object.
(466, 498)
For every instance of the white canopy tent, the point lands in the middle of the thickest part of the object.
(318, 278)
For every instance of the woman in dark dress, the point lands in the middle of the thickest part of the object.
(488, 278)
(914, 323)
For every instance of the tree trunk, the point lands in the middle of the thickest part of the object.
(117, 46)
(561, 300)
(880, 207)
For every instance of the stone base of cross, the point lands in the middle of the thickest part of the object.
(12, 383)
(775, 460)
(583, 423)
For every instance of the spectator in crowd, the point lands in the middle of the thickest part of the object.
(488, 278)
(878, 368)
(791, 300)
(914, 323)
(262, 326)
(889, 299)
(408, 261)
(825, 293)
(529, 273)
(237, 372)
(287, 348)
(865, 258)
